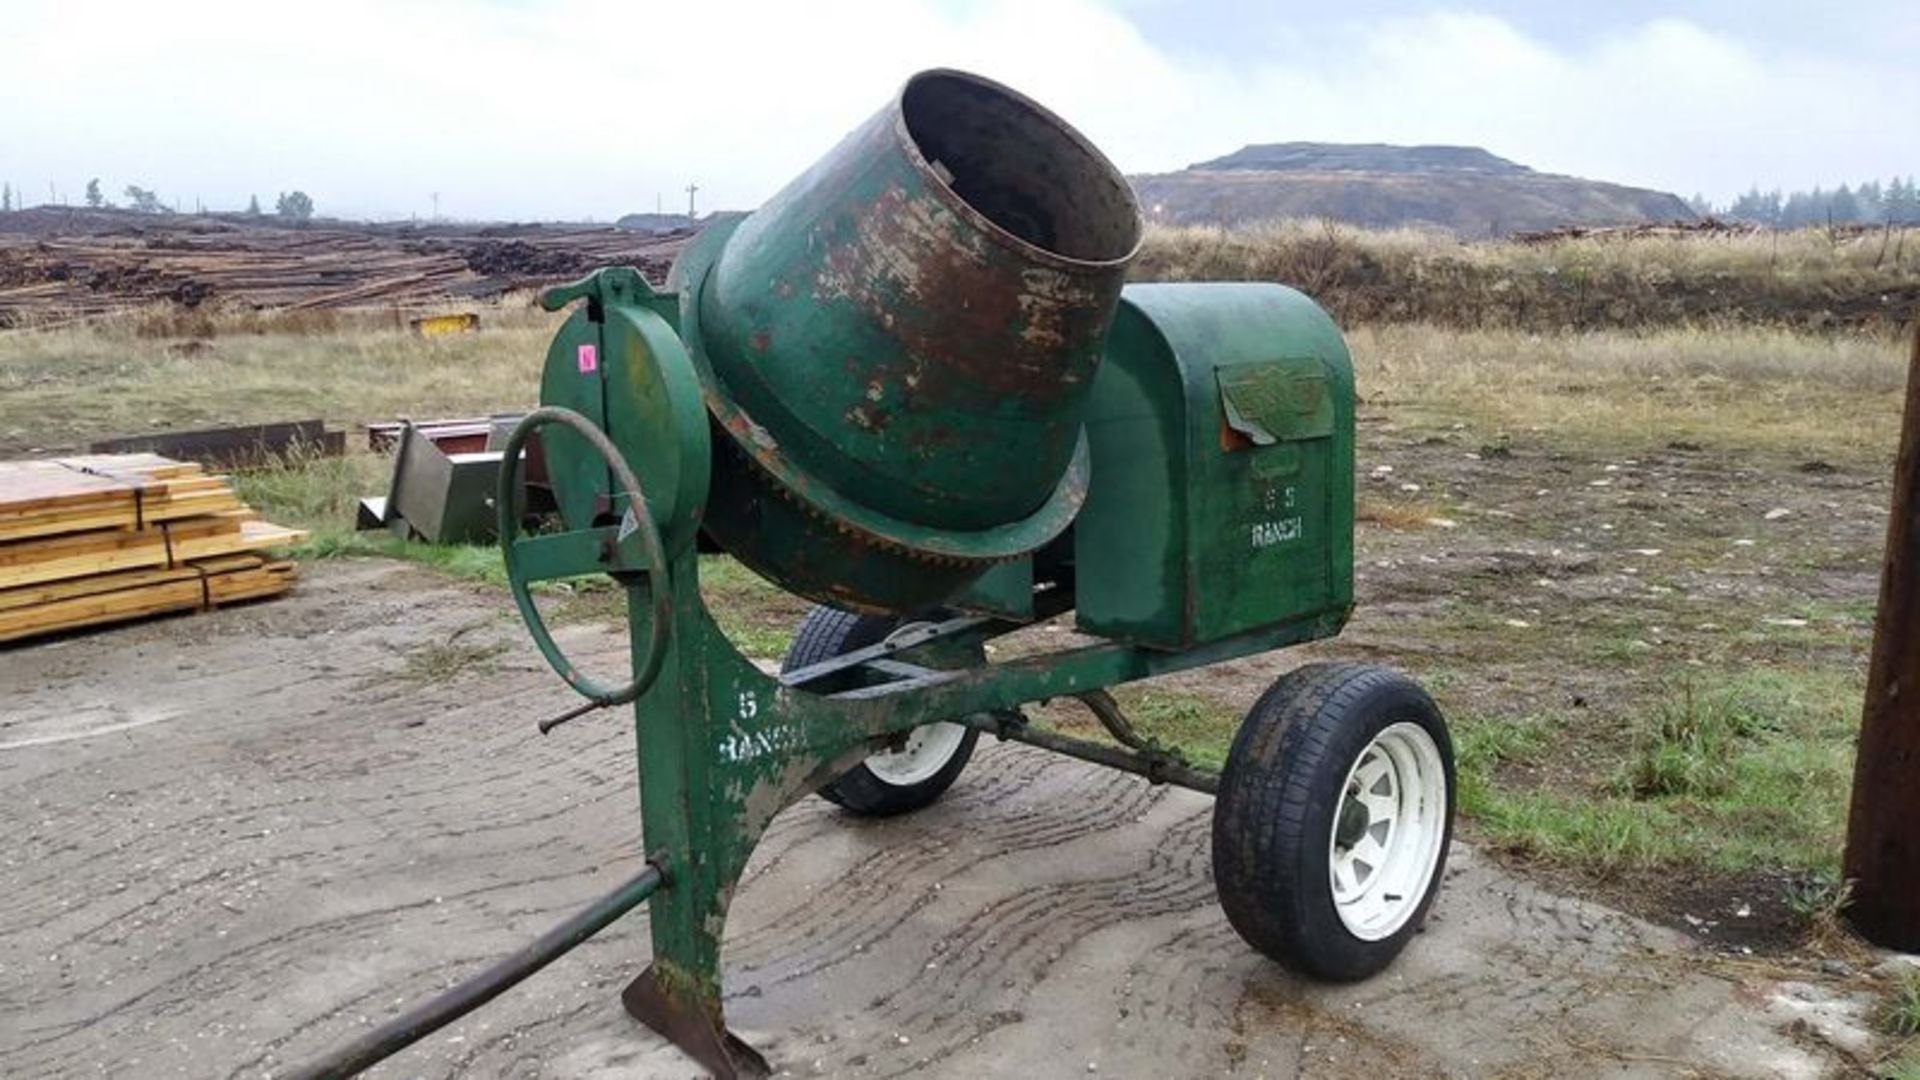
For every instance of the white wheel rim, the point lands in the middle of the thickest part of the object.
(1387, 831)
(927, 751)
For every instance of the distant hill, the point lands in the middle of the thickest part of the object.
(656, 223)
(1460, 188)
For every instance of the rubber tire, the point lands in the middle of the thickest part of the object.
(826, 633)
(1275, 810)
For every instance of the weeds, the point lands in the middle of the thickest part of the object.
(1818, 897)
(1537, 822)
(1622, 649)
(469, 561)
(1398, 514)
(1600, 834)
(310, 491)
(1688, 748)
(442, 661)
(1900, 1009)
(1907, 1068)
(756, 615)
(1201, 729)
(1481, 744)
(1735, 772)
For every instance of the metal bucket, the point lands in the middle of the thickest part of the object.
(899, 346)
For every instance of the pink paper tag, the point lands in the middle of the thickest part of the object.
(589, 359)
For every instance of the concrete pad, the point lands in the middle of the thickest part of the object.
(235, 839)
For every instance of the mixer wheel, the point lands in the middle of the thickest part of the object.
(900, 781)
(1334, 812)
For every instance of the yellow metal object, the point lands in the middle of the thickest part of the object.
(465, 322)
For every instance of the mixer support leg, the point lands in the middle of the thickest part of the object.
(711, 777)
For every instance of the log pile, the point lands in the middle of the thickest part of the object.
(109, 537)
(54, 268)
(1708, 226)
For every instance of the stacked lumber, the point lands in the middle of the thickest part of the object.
(102, 538)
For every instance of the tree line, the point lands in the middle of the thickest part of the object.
(1872, 203)
(295, 206)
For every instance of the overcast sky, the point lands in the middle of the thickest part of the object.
(592, 108)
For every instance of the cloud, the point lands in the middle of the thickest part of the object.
(568, 108)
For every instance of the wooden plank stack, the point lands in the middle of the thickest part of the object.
(107, 537)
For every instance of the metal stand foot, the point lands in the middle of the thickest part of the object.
(689, 1026)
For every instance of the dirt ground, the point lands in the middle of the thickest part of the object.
(1599, 588)
(236, 838)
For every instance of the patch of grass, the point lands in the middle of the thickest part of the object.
(1819, 899)
(1906, 1068)
(472, 562)
(309, 491)
(1736, 772)
(1900, 1008)
(1483, 744)
(1201, 729)
(1688, 745)
(443, 661)
(1818, 896)
(1540, 822)
(1394, 513)
(1599, 834)
(1735, 389)
(1622, 648)
(756, 615)
(1198, 728)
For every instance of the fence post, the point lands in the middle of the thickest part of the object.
(1883, 826)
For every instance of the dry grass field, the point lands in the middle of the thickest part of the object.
(158, 369)
(1636, 557)
(1748, 388)
(1805, 279)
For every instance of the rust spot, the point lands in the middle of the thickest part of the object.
(760, 341)
(978, 325)
(868, 418)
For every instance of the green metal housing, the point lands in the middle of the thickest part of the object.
(1222, 492)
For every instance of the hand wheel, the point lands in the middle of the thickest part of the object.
(629, 548)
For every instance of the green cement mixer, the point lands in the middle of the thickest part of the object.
(915, 389)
